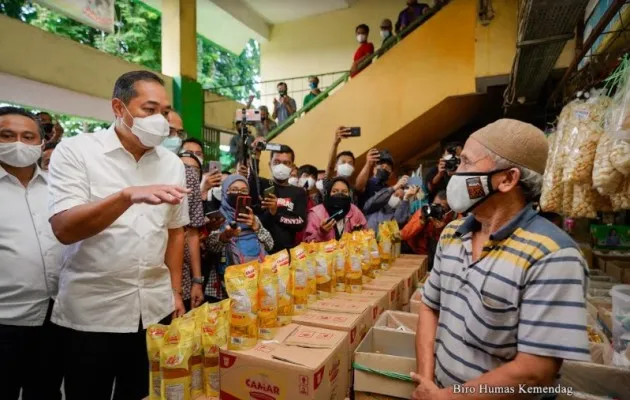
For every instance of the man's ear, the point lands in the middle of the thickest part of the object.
(118, 108)
(508, 180)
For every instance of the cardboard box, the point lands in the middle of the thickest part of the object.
(364, 307)
(407, 282)
(302, 362)
(415, 301)
(398, 321)
(413, 261)
(353, 324)
(619, 270)
(604, 317)
(380, 299)
(596, 380)
(593, 304)
(385, 350)
(601, 258)
(415, 269)
(587, 251)
(372, 396)
(390, 284)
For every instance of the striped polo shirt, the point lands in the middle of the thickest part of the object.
(526, 293)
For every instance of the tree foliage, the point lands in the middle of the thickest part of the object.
(137, 39)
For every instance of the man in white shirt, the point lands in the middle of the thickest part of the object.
(118, 199)
(30, 258)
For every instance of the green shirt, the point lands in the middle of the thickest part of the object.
(310, 97)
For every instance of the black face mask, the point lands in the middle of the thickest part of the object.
(382, 175)
(231, 199)
(337, 202)
(48, 128)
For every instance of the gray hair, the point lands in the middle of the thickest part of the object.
(530, 181)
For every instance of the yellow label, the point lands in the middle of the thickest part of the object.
(155, 341)
(176, 371)
(300, 286)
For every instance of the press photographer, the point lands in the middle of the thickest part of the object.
(423, 230)
(437, 178)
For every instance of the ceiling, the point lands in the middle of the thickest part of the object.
(277, 11)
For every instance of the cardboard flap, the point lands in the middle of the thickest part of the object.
(330, 320)
(598, 380)
(398, 321)
(314, 338)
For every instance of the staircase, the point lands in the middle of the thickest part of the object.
(408, 99)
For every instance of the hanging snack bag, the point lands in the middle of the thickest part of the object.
(268, 298)
(606, 178)
(210, 340)
(299, 273)
(354, 271)
(241, 282)
(324, 270)
(155, 342)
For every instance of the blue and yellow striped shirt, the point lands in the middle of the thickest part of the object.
(526, 293)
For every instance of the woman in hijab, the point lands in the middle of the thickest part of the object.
(321, 227)
(241, 239)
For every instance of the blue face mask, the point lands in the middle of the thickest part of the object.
(312, 85)
(172, 143)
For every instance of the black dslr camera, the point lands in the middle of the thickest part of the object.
(434, 211)
(452, 160)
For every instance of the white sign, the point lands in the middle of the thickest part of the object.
(95, 13)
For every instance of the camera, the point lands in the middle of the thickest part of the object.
(435, 211)
(452, 160)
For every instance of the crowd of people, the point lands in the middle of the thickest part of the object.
(106, 233)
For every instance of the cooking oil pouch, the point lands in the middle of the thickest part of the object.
(299, 272)
(354, 269)
(176, 372)
(375, 256)
(324, 270)
(196, 364)
(339, 263)
(241, 282)
(285, 289)
(155, 342)
(211, 346)
(268, 298)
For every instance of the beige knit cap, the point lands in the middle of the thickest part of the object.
(518, 142)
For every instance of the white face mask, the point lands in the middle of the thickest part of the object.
(214, 192)
(320, 186)
(465, 191)
(394, 201)
(151, 130)
(20, 155)
(281, 172)
(306, 183)
(361, 38)
(345, 170)
(293, 181)
(385, 34)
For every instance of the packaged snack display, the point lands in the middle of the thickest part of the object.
(620, 156)
(306, 252)
(324, 269)
(587, 126)
(299, 272)
(606, 179)
(285, 288)
(584, 202)
(268, 298)
(210, 334)
(241, 282)
(155, 342)
(621, 199)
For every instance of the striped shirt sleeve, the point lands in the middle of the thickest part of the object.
(432, 288)
(553, 308)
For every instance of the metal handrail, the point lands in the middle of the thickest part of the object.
(213, 89)
(363, 64)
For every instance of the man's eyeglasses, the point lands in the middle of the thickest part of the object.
(179, 132)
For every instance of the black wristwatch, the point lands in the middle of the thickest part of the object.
(200, 280)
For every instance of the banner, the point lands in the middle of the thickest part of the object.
(95, 13)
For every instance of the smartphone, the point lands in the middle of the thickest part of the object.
(335, 216)
(214, 214)
(415, 181)
(214, 166)
(270, 191)
(242, 202)
(355, 131)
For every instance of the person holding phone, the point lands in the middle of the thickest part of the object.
(337, 215)
(284, 106)
(389, 204)
(242, 237)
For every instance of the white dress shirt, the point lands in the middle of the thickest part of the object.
(30, 255)
(112, 280)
